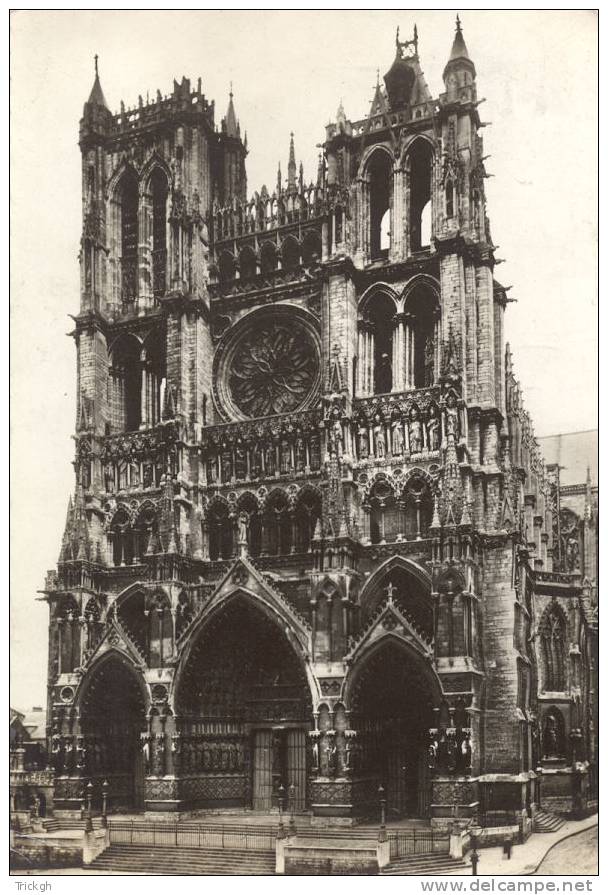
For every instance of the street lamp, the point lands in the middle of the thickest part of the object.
(281, 834)
(474, 853)
(292, 800)
(88, 824)
(104, 803)
(382, 837)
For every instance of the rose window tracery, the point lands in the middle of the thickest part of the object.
(269, 364)
(273, 371)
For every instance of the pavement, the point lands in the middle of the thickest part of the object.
(527, 858)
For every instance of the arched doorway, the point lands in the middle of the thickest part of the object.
(113, 717)
(392, 701)
(245, 709)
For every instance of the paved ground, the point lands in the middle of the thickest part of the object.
(578, 854)
(526, 858)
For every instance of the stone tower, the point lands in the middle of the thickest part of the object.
(311, 523)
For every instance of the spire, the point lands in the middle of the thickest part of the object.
(232, 128)
(459, 48)
(279, 180)
(459, 57)
(378, 105)
(291, 166)
(96, 97)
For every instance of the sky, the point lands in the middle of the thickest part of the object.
(537, 71)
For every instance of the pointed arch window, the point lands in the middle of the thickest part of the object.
(247, 264)
(553, 632)
(221, 533)
(380, 187)
(449, 198)
(421, 166)
(129, 235)
(159, 189)
(268, 259)
(381, 316)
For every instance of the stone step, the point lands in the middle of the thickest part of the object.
(545, 822)
(186, 861)
(423, 865)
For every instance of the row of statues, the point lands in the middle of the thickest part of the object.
(280, 456)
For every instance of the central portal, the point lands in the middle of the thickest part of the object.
(245, 709)
(393, 711)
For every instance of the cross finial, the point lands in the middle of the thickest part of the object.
(377, 77)
(390, 590)
(397, 37)
(231, 90)
(96, 59)
(458, 28)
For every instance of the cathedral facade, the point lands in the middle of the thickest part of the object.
(312, 538)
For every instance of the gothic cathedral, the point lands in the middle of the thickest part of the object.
(312, 537)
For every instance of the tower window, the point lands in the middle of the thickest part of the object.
(379, 203)
(129, 236)
(159, 189)
(420, 158)
(381, 316)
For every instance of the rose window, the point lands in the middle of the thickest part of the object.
(273, 370)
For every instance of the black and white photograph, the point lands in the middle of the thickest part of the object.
(304, 444)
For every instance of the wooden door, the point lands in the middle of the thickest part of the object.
(296, 766)
(262, 770)
(396, 789)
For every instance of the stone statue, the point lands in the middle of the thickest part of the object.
(242, 532)
(285, 455)
(452, 422)
(300, 453)
(240, 460)
(415, 431)
(572, 554)
(256, 461)
(226, 463)
(384, 375)
(212, 469)
(397, 438)
(432, 429)
(363, 443)
(336, 436)
(108, 477)
(379, 439)
(429, 361)
(148, 474)
(270, 459)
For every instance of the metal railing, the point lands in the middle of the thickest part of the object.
(418, 842)
(189, 835)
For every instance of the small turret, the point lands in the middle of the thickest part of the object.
(460, 70)
(96, 116)
(96, 96)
